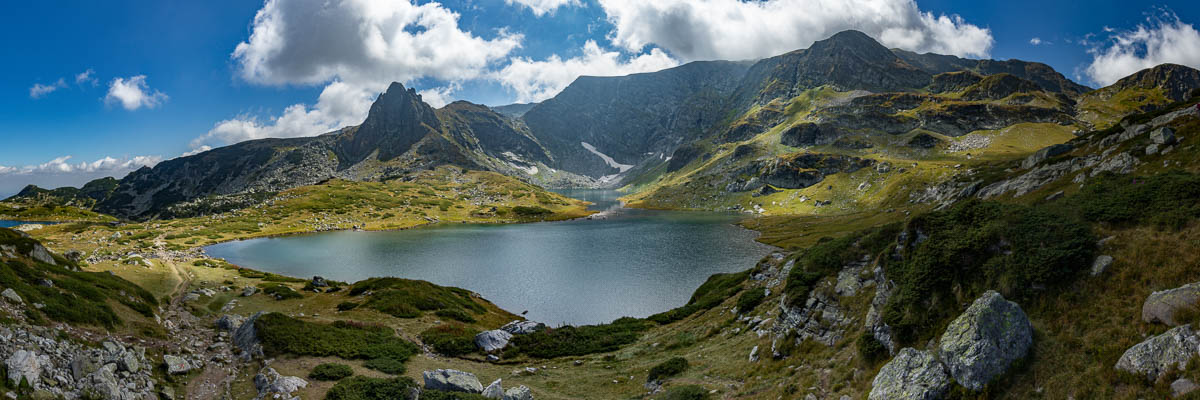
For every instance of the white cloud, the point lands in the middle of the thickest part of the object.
(737, 29)
(61, 172)
(1035, 41)
(439, 97)
(535, 81)
(1162, 39)
(38, 90)
(361, 47)
(88, 77)
(133, 93)
(197, 150)
(543, 7)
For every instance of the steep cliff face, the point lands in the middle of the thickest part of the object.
(397, 120)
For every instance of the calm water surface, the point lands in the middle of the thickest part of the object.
(4, 223)
(631, 263)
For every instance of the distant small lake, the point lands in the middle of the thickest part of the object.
(630, 263)
(4, 223)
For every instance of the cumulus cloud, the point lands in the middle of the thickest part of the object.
(535, 81)
(133, 93)
(439, 97)
(361, 47)
(1164, 38)
(1035, 41)
(38, 90)
(738, 29)
(543, 7)
(62, 172)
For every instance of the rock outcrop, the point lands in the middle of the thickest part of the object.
(492, 340)
(523, 327)
(270, 383)
(245, 338)
(1161, 354)
(985, 340)
(911, 375)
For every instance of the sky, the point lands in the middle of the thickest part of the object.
(93, 89)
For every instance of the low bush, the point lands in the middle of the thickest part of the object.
(523, 211)
(667, 369)
(279, 291)
(750, 299)
(830, 255)
(712, 293)
(451, 339)
(1167, 201)
(347, 306)
(363, 388)
(456, 315)
(331, 372)
(578, 340)
(687, 392)
(281, 334)
(870, 349)
(406, 298)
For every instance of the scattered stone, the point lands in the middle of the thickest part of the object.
(493, 390)
(911, 375)
(523, 327)
(12, 296)
(1152, 149)
(1101, 264)
(1161, 306)
(230, 322)
(319, 282)
(492, 340)
(452, 381)
(1182, 386)
(518, 393)
(176, 364)
(23, 365)
(754, 354)
(985, 340)
(1161, 354)
(1163, 136)
(249, 291)
(1057, 195)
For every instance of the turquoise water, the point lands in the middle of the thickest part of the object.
(627, 263)
(4, 223)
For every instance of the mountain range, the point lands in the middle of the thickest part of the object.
(715, 130)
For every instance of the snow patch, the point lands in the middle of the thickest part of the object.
(607, 160)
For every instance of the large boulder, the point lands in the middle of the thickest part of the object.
(12, 296)
(246, 338)
(176, 364)
(450, 380)
(1162, 306)
(494, 390)
(911, 375)
(985, 340)
(230, 322)
(523, 327)
(1045, 153)
(492, 340)
(518, 393)
(270, 383)
(1161, 354)
(23, 365)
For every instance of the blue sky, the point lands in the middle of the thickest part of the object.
(167, 78)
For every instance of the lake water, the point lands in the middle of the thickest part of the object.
(4, 223)
(630, 263)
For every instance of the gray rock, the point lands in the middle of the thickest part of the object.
(230, 322)
(1045, 153)
(269, 382)
(1161, 306)
(1182, 387)
(754, 354)
(494, 390)
(128, 362)
(83, 365)
(518, 393)
(985, 340)
(245, 338)
(40, 254)
(911, 375)
(523, 327)
(452, 381)
(176, 364)
(1163, 136)
(249, 291)
(492, 340)
(1152, 149)
(1161, 354)
(25, 365)
(12, 296)
(1101, 264)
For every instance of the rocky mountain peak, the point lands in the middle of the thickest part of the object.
(852, 43)
(396, 121)
(1177, 81)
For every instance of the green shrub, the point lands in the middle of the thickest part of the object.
(281, 334)
(456, 315)
(870, 349)
(406, 298)
(386, 365)
(578, 340)
(347, 306)
(441, 395)
(1168, 201)
(523, 211)
(712, 293)
(331, 372)
(667, 369)
(750, 299)
(451, 339)
(830, 255)
(953, 256)
(363, 388)
(687, 392)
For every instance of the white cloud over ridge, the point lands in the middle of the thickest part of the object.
(1164, 38)
(534, 81)
(543, 7)
(742, 30)
(61, 172)
(38, 90)
(133, 93)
